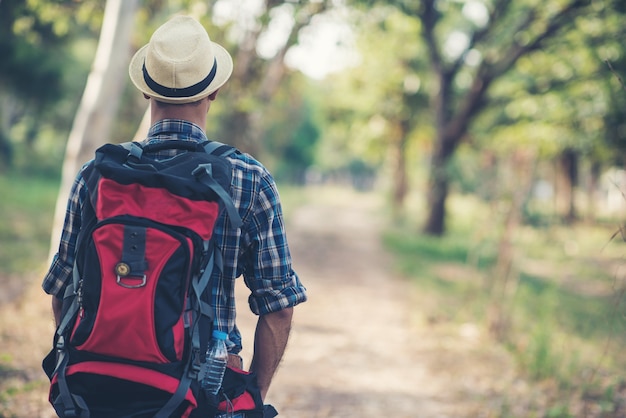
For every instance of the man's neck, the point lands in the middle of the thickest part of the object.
(195, 113)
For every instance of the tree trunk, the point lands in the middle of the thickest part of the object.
(438, 187)
(450, 129)
(98, 106)
(569, 167)
(400, 180)
(7, 117)
(592, 190)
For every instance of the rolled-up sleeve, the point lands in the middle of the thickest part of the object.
(269, 275)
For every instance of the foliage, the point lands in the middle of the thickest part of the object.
(565, 307)
(40, 74)
(562, 96)
(511, 75)
(260, 70)
(370, 109)
(291, 135)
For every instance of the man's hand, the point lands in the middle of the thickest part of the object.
(270, 340)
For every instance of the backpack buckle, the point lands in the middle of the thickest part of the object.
(196, 365)
(131, 286)
(203, 169)
(60, 345)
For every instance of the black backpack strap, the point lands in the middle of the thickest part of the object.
(219, 149)
(169, 144)
(177, 397)
(203, 174)
(67, 404)
(133, 148)
(211, 147)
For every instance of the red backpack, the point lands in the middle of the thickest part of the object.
(137, 317)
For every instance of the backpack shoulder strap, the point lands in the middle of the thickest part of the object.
(133, 148)
(211, 147)
(219, 149)
(203, 173)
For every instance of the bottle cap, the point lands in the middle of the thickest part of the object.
(220, 335)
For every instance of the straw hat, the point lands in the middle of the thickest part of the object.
(180, 64)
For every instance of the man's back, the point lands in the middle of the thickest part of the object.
(180, 72)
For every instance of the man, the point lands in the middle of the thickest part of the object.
(180, 72)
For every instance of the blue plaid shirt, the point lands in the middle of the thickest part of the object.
(258, 250)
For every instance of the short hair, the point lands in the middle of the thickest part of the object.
(164, 105)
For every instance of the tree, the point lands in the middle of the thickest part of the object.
(256, 79)
(100, 100)
(511, 31)
(562, 102)
(470, 46)
(372, 108)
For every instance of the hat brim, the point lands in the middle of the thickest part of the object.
(223, 73)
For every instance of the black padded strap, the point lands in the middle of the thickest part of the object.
(67, 404)
(204, 174)
(134, 149)
(219, 149)
(177, 398)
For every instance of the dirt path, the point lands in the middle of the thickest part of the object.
(360, 347)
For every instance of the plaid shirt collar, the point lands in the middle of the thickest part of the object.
(169, 129)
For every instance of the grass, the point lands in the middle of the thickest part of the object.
(563, 306)
(27, 206)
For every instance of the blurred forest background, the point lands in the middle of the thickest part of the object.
(496, 129)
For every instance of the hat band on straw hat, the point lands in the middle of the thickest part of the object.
(179, 92)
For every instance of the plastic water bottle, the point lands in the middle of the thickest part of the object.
(216, 359)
